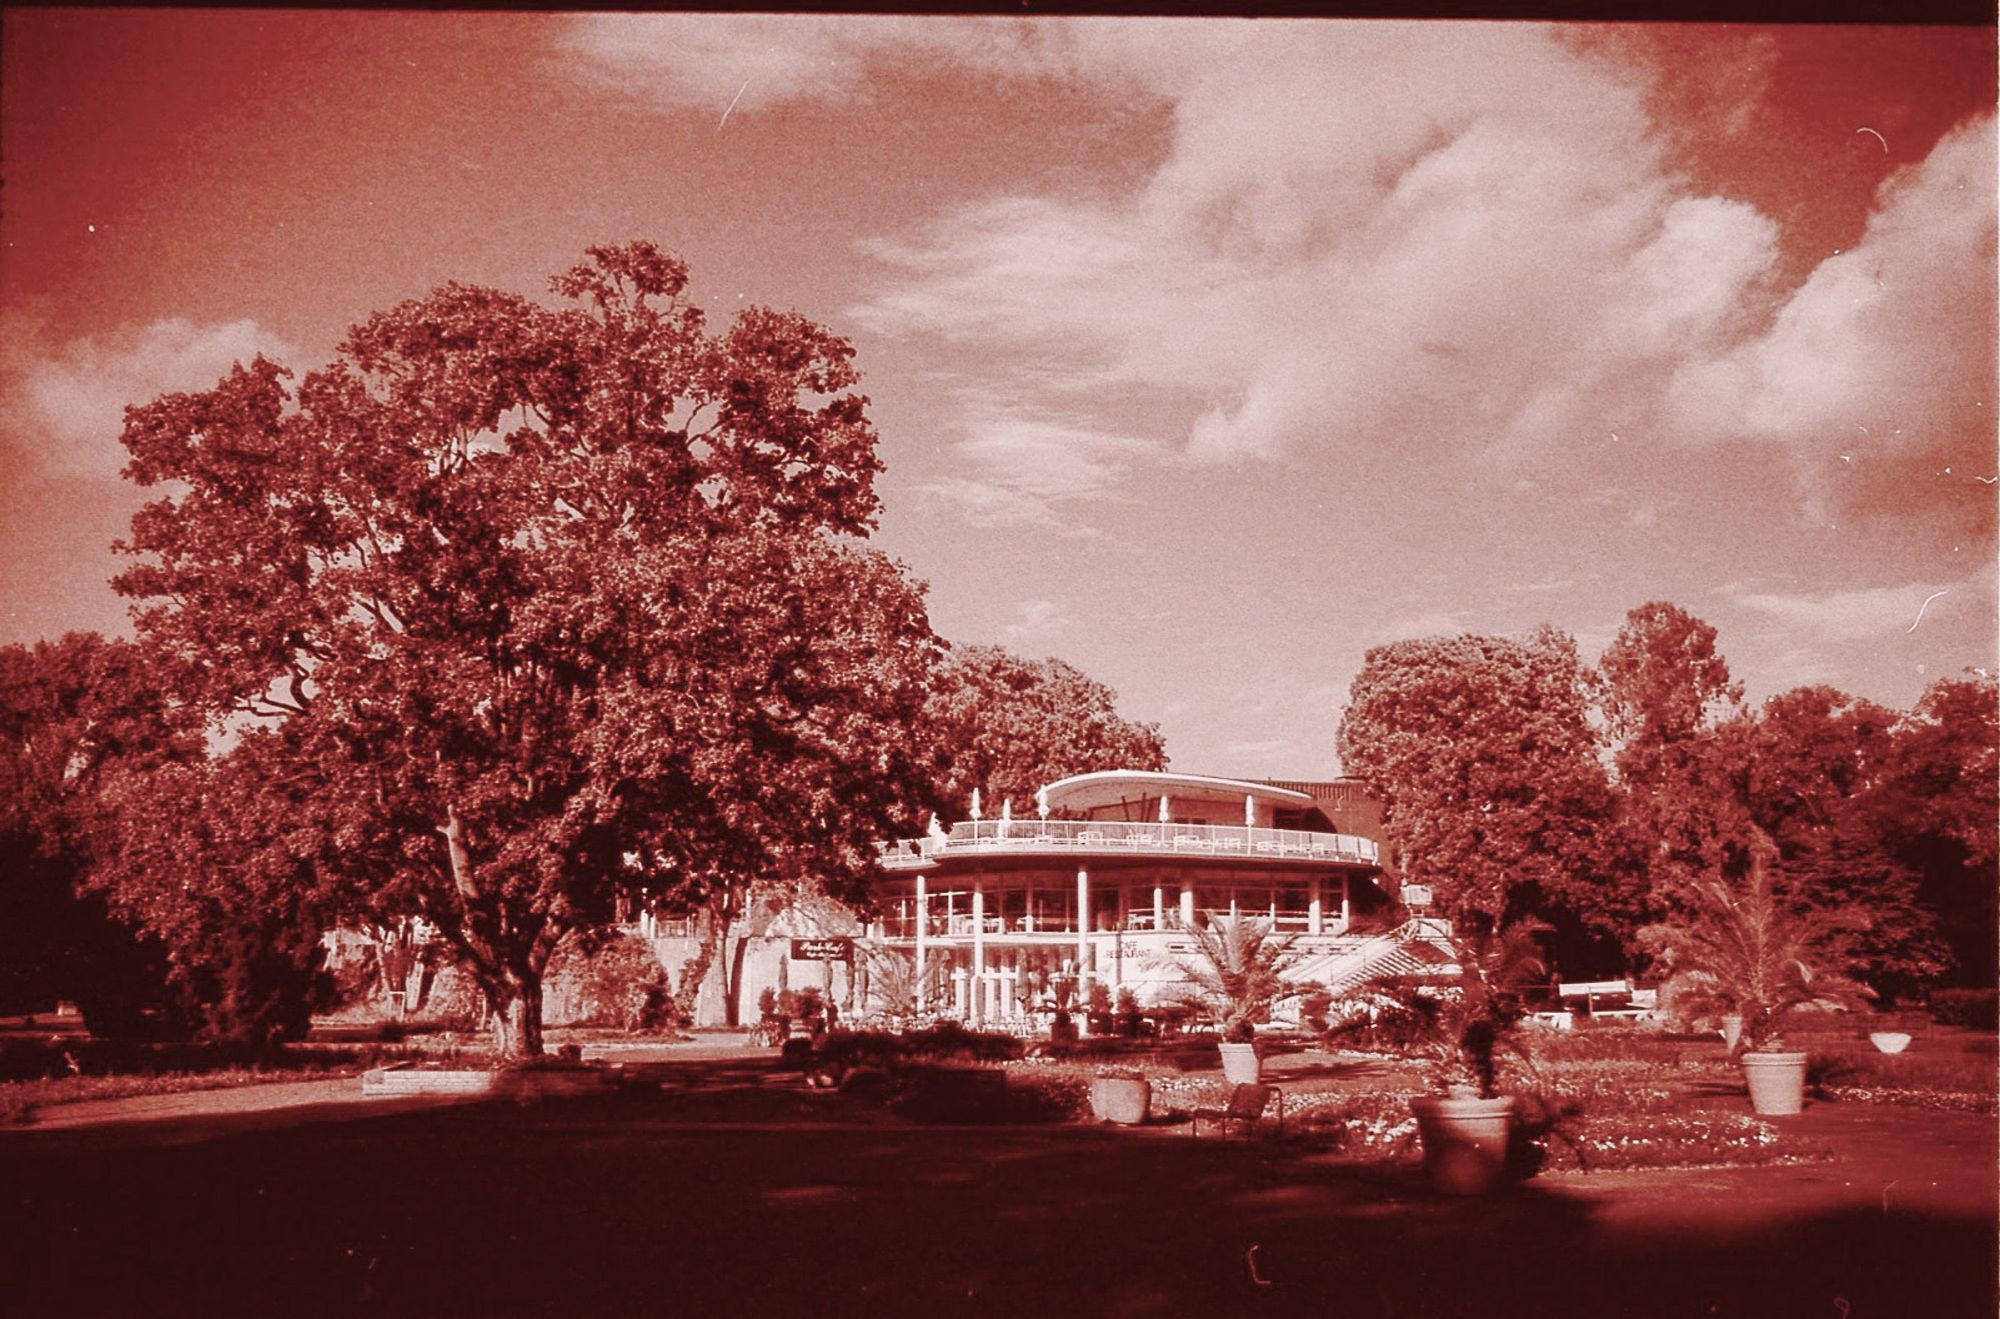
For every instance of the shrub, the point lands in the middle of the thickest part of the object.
(618, 983)
(1974, 1009)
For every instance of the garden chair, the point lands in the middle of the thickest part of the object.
(1245, 1107)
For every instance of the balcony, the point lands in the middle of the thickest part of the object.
(1126, 839)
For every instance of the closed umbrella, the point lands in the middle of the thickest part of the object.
(1165, 816)
(975, 803)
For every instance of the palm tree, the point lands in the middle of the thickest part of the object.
(1743, 947)
(1238, 969)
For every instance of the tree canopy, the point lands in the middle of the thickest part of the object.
(1482, 752)
(75, 714)
(545, 600)
(1007, 725)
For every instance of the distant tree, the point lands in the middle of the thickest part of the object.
(1007, 725)
(228, 862)
(1660, 683)
(1482, 752)
(547, 601)
(1937, 810)
(73, 714)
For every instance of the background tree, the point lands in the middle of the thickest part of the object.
(547, 601)
(1935, 810)
(1660, 683)
(1482, 753)
(227, 861)
(1008, 725)
(73, 714)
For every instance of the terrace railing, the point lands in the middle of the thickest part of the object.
(1127, 837)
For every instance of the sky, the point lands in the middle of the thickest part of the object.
(1206, 354)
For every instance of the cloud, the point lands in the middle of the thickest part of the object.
(1035, 622)
(1861, 614)
(1014, 466)
(65, 403)
(1360, 235)
(1885, 354)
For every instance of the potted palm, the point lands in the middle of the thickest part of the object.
(1466, 1130)
(1238, 971)
(1740, 945)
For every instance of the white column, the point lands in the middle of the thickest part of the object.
(1187, 904)
(1346, 917)
(1314, 916)
(1159, 906)
(1082, 940)
(979, 985)
(923, 919)
(958, 992)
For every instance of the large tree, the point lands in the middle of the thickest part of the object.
(546, 599)
(1482, 753)
(1007, 725)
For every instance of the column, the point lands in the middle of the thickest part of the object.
(958, 992)
(979, 985)
(1187, 904)
(1082, 941)
(1159, 905)
(1346, 916)
(1314, 918)
(923, 919)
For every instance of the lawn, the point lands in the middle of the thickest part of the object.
(729, 1191)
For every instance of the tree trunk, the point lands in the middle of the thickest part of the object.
(517, 1021)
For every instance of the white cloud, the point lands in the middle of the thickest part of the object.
(1361, 235)
(1019, 467)
(1885, 354)
(1035, 623)
(1864, 613)
(65, 404)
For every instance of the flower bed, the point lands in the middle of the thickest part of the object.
(1665, 1140)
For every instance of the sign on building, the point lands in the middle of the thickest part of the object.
(822, 950)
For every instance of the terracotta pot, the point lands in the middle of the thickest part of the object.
(1123, 1100)
(1889, 1041)
(1777, 1082)
(1732, 1030)
(1465, 1141)
(1241, 1065)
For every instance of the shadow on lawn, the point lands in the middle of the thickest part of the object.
(616, 1205)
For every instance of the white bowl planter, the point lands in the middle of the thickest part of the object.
(1889, 1041)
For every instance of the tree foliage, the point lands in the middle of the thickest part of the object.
(546, 600)
(1747, 944)
(1007, 725)
(1660, 683)
(1482, 752)
(74, 715)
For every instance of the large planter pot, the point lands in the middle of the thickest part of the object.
(1241, 1065)
(1732, 1031)
(1465, 1141)
(1123, 1100)
(1777, 1082)
(1889, 1041)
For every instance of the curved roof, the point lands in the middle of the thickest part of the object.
(1108, 787)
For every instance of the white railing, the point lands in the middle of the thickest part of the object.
(1032, 835)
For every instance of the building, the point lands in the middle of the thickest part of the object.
(1084, 896)
(1092, 896)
